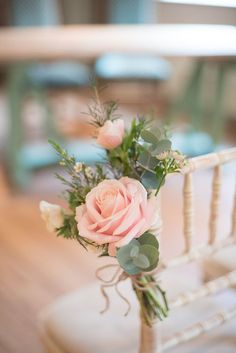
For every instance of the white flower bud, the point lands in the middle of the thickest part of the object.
(89, 172)
(78, 167)
(52, 215)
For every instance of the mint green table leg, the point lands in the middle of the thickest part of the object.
(218, 111)
(49, 122)
(18, 86)
(189, 102)
(15, 91)
(194, 98)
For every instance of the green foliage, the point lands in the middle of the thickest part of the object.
(99, 112)
(157, 160)
(78, 183)
(140, 255)
(69, 230)
(152, 299)
(149, 137)
(149, 180)
(104, 250)
(123, 159)
(146, 160)
(161, 146)
(138, 155)
(150, 239)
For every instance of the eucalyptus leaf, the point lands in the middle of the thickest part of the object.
(147, 160)
(156, 132)
(152, 254)
(124, 258)
(139, 255)
(142, 262)
(131, 268)
(149, 180)
(149, 137)
(143, 157)
(149, 239)
(162, 146)
(134, 251)
(123, 254)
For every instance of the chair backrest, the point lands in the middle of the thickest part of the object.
(131, 11)
(192, 253)
(24, 13)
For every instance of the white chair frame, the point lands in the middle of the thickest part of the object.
(149, 341)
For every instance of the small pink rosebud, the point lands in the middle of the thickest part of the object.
(111, 134)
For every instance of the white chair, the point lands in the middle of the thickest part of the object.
(73, 324)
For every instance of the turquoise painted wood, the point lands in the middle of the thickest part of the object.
(120, 66)
(131, 11)
(203, 117)
(34, 79)
(28, 13)
(16, 89)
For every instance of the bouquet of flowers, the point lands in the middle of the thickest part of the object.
(113, 206)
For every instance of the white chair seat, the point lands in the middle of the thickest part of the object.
(73, 323)
(221, 263)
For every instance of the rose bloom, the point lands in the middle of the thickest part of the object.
(52, 215)
(116, 211)
(111, 134)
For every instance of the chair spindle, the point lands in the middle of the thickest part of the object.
(215, 199)
(233, 230)
(188, 211)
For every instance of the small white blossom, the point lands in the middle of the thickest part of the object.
(52, 215)
(78, 167)
(89, 172)
(163, 155)
(178, 157)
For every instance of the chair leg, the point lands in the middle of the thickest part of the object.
(50, 126)
(190, 99)
(194, 100)
(218, 112)
(15, 90)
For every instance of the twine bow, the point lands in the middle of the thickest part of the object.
(118, 276)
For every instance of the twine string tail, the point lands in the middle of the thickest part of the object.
(118, 276)
(149, 286)
(105, 267)
(124, 299)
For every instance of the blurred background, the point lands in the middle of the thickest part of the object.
(190, 88)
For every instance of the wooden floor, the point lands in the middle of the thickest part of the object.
(36, 267)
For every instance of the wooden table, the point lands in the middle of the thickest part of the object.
(90, 41)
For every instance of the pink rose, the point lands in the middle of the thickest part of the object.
(111, 134)
(115, 212)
